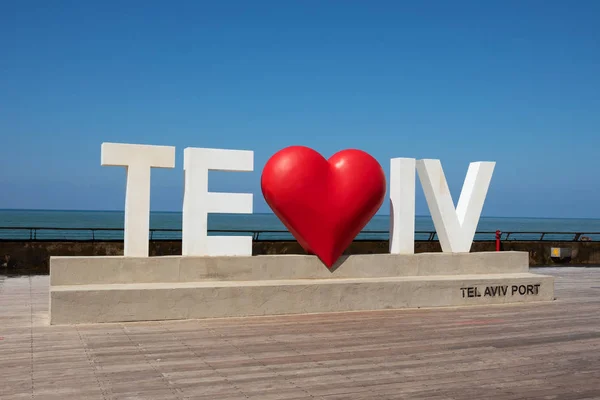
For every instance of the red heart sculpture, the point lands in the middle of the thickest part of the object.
(323, 203)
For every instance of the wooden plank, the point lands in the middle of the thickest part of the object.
(538, 350)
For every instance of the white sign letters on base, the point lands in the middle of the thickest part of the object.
(402, 205)
(138, 160)
(198, 202)
(455, 228)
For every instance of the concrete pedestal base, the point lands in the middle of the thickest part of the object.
(115, 289)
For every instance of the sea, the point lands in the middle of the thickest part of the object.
(108, 225)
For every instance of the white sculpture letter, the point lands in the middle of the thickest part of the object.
(198, 202)
(402, 205)
(455, 228)
(138, 160)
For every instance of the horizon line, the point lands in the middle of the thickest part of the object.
(265, 213)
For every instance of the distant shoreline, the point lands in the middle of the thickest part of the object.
(270, 213)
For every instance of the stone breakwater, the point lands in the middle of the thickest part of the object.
(32, 257)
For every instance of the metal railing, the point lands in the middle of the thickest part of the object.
(116, 234)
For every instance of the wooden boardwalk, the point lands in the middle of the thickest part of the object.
(534, 351)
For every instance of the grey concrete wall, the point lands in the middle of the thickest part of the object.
(32, 257)
(115, 289)
(124, 270)
(166, 301)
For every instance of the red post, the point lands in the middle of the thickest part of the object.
(498, 233)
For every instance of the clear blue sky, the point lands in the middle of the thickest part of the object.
(516, 82)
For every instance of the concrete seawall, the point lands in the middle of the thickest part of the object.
(32, 257)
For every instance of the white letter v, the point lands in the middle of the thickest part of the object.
(455, 228)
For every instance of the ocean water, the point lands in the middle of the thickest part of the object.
(87, 221)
